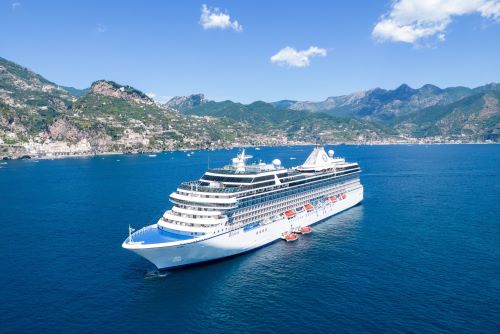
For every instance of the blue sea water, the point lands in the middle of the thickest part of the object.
(420, 255)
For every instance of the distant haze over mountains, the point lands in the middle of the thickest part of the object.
(38, 115)
(457, 112)
(386, 105)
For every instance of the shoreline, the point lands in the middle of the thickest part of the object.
(52, 156)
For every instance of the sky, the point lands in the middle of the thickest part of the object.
(255, 50)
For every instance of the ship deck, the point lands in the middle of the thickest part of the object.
(153, 235)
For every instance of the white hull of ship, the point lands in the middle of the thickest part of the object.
(239, 241)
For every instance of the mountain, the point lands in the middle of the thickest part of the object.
(75, 91)
(186, 102)
(476, 116)
(41, 118)
(388, 105)
(297, 125)
(123, 92)
(28, 102)
(38, 117)
(283, 104)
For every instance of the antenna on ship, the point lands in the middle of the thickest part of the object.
(239, 161)
(318, 142)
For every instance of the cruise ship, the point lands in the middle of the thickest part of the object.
(243, 206)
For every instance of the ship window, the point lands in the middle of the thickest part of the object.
(263, 178)
(226, 179)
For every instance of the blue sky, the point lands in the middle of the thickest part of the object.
(335, 47)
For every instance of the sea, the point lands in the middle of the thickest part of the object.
(421, 254)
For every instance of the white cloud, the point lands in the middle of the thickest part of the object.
(15, 5)
(290, 57)
(214, 18)
(411, 20)
(101, 28)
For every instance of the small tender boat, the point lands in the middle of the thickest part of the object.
(305, 230)
(291, 237)
(152, 155)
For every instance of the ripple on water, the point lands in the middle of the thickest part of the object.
(420, 254)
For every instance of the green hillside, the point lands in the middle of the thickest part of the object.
(36, 115)
(297, 124)
(476, 116)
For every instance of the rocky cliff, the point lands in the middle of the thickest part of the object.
(186, 102)
(40, 118)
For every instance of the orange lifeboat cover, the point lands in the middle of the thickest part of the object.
(344, 196)
(290, 213)
(333, 198)
(308, 207)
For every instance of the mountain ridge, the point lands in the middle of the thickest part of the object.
(39, 117)
(386, 104)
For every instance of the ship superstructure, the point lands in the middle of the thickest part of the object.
(243, 206)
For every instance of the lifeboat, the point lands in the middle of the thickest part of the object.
(305, 230)
(289, 214)
(333, 198)
(309, 207)
(344, 196)
(291, 237)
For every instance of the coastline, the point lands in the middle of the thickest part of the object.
(64, 155)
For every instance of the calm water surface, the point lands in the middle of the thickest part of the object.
(421, 254)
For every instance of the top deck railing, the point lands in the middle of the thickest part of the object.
(249, 169)
(196, 186)
(293, 175)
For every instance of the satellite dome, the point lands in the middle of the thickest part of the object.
(276, 162)
(330, 153)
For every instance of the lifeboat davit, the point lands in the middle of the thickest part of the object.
(291, 237)
(290, 214)
(309, 207)
(305, 230)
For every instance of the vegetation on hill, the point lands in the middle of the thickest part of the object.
(38, 115)
(75, 91)
(390, 106)
(296, 124)
(476, 117)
